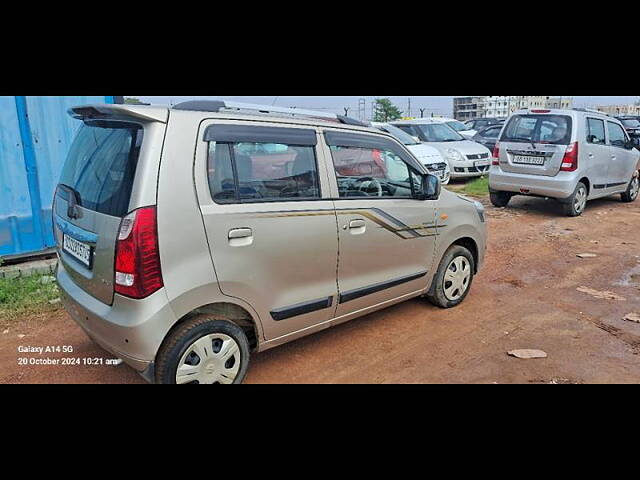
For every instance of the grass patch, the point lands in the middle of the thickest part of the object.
(26, 295)
(477, 188)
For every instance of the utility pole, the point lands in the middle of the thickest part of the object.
(409, 107)
(422, 112)
(346, 111)
(362, 106)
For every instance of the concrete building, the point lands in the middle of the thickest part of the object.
(620, 109)
(466, 108)
(559, 102)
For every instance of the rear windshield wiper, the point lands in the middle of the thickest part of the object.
(522, 139)
(73, 200)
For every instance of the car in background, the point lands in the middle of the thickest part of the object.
(458, 126)
(466, 158)
(569, 155)
(429, 156)
(631, 124)
(478, 124)
(488, 136)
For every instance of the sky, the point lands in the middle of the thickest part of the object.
(437, 105)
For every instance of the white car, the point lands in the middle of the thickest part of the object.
(466, 158)
(429, 156)
(459, 127)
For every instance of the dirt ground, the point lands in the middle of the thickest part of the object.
(525, 297)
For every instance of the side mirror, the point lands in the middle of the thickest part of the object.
(416, 138)
(430, 187)
(629, 144)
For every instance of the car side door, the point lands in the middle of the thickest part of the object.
(270, 221)
(386, 236)
(622, 160)
(597, 155)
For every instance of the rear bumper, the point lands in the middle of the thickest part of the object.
(132, 330)
(559, 187)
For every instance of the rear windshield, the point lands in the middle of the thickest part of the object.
(553, 129)
(101, 166)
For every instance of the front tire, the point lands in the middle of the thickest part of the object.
(453, 279)
(500, 199)
(576, 203)
(204, 350)
(632, 190)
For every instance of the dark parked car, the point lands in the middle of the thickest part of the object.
(632, 126)
(488, 136)
(480, 123)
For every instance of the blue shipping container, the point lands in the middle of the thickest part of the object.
(35, 136)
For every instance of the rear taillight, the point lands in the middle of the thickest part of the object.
(137, 266)
(540, 111)
(496, 155)
(570, 160)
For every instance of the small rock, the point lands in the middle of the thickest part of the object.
(632, 317)
(586, 255)
(55, 300)
(21, 335)
(527, 353)
(5, 332)
(46, 279)
(599, 294)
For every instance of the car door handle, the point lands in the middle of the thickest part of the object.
(357, 227)
(590, 155)
(240, 237)
(240, 233)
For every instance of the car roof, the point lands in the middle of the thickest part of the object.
(214, 109)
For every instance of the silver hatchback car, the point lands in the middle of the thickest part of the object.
(570, 155)
(188, 237)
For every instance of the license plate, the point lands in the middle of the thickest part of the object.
(78, 250)
(528, 160)
(481, 163)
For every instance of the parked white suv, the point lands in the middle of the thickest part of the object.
(429, 156)
(570, 155)
(466, 158)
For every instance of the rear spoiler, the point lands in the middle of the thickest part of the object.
(120, 112)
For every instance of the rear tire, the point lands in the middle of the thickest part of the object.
(632, 190)
(500, 199)
(575, 205)
(452, 281)
(206, 351)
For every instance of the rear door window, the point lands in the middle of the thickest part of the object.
(253, 172)
(595, 131)
(617, 135)
(101, 166)
(551, 129)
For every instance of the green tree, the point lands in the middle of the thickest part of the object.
(132, 101)
(385, 111)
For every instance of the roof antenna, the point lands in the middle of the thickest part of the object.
(274, 101)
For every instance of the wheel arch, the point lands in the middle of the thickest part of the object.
(471, 245)
(229, 311)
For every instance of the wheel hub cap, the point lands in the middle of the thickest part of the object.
(456, 278)
(580, 200)
(211, 359)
